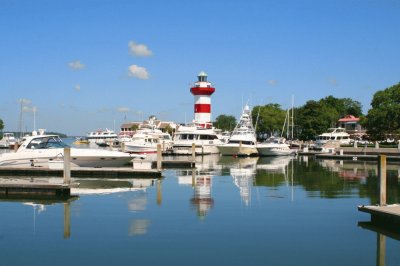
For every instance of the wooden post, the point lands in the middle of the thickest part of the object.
(193, 152)
(376, 145)
(159, 193)
(67, 165)
(381, 249)
(159, 156)
(67, 220)
(382, 179)
(355, 144)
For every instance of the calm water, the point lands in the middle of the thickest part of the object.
(267, 211)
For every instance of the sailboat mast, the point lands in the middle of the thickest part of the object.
(292, 116)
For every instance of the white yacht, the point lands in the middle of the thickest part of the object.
(333, 135)
(44, 150)
(146, 141)
(102, 136)
(242, 141)
(8, 140)
(274, 146)
(206, 140)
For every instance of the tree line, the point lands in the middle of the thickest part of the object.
(315, 117)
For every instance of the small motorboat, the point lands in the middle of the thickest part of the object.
(81, 141)
(43, 150)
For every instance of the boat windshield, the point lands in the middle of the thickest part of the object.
(51, 142)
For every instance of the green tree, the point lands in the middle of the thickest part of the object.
(134, 127)
(169, 130)
(343, 106)
(270, 119)
(1, 125)
(384, 117)
(314, 118)
(225, 122)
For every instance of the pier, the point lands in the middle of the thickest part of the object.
(388, 215)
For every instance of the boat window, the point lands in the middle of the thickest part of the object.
(46, 143)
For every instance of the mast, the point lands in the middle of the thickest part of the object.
(292, 116)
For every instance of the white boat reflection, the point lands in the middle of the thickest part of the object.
(274, 164)
(243, 172)
(108, 186)
(139, 227)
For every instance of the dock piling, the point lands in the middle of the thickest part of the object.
(382, 179)
(193, 152)
(159, 156)
(67, 165)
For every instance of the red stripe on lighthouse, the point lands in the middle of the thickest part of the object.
(202, 108)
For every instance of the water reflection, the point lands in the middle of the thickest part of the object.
(201, 183)
(243, 173)
(202, 199)
(139, 227)
(108, 186)
(382, 232)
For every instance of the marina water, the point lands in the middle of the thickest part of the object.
(229, 211)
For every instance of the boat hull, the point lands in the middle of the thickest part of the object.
(280, 150)
(79, 157)
(199, 149)
(238, 150)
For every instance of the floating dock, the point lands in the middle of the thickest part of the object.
(388, 215)
(25, 188)
(106, 172)
(355, 157)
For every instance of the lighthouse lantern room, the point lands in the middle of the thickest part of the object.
(202, 91)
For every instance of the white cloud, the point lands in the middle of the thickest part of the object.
(272, 82)
(122, 109)
(139, 49)
(76, 65)
(138, 72)
(77, 87)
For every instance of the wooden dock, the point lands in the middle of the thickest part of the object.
(355, 157)
(388, 215)
(23, 188)
(106, 172)
(383, 214)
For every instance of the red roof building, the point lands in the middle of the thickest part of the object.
(352, 126)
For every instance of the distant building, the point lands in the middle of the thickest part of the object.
(352, 126)
(129, 128)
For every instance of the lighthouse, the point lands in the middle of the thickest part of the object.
(202, 91)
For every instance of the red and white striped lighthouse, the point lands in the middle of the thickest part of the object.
(202, 91)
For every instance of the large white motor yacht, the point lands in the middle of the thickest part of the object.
(102, 136)
(43, 150)
(206, 140)
(333, 135)
(242, 141)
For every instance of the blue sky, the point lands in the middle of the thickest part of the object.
(87, 64)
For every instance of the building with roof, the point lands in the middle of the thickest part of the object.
(352, 126)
